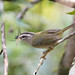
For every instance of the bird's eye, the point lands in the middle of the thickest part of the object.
(23, 36)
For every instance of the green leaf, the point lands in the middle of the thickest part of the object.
(72, 13)
(11, 6)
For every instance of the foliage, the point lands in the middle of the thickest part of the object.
(11, 6)
(72, 13)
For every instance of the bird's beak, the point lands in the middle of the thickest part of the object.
(17, 41)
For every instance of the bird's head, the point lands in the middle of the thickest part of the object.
(25, 36)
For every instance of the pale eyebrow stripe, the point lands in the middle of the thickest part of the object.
(28, 33)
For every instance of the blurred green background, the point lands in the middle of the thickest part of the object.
(23, 58)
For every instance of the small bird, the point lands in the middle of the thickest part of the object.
(43, 39)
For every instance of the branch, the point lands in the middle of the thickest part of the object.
(39, 65)
(22, 13)
(1, 52)
(58, 42)
(66, 37)
(4, 49)
(72, 69)
(69, 3)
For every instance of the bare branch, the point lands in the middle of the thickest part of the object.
(59, 41)
(72, 69)
(39, 65)
(70, 3)
(1, 52)
(22, 13)
(4, 49)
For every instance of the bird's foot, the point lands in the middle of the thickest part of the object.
(46, 52)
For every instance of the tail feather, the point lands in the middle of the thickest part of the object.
(66, 28)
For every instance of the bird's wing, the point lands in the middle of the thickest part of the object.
(45, 40)
(51, 31)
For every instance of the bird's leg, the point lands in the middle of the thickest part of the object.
(46, 52)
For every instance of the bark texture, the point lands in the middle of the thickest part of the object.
(68, 56)
(72, 69)
(69, 3)
(5, 57)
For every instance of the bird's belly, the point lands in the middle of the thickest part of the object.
(43, 45)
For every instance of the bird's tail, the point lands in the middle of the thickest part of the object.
(66, 28)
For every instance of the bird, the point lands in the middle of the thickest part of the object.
(43, 39)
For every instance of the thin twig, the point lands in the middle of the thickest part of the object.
(1, 52)
(59, 41)
(5, 58)
(39, 65)
(22, 13)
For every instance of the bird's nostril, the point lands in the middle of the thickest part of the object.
(16, 37)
